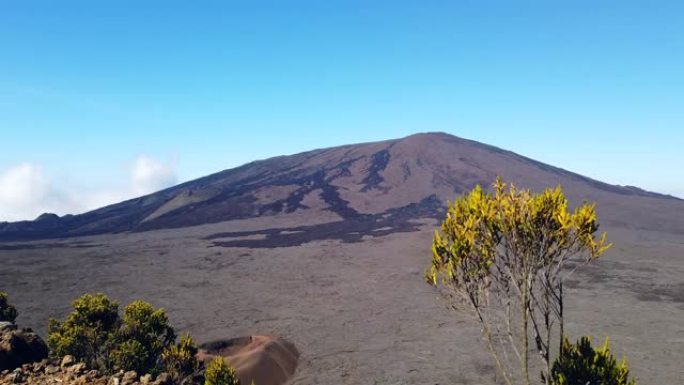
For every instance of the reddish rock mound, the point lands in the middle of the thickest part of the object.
(265, 359)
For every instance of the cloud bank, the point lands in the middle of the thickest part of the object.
(26, 191)
(149, 175)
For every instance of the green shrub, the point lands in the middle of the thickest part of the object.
(7, 311)
(580, 364)
(142, 338)
(130, 355)
(179, 360)
(220, 373)
(94, 333)
(87, 332)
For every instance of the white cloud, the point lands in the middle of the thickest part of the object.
(23, 185)
(23, 189)
(149, 175)
(26, 192)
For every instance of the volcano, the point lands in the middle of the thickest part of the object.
(360, 187)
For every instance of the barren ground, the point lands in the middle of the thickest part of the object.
(357, 309)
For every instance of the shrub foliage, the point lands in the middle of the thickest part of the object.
(140, 340)
(220, 373)
(581, 364)
(504, 255)
(88, 332)
(7, 311)
(179, 360)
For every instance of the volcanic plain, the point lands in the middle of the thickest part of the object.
(327, 249)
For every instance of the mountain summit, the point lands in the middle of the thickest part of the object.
(392, 181)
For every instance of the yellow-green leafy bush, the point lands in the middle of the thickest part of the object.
(581, 364)
(220, 373)
(88, 332)
(179, 359)
(503, 254)
(142, 337)
(141, 340)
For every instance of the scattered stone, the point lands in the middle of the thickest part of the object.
(68, 360)
(16, 377)
(129, 377)
(76, 368)
(146, 379)
(50, 373)
(92, 374)
(163, 378)
(38, 366)
(51, 369)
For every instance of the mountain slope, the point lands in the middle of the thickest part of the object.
(393, 180)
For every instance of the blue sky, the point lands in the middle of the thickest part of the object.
(103, 100)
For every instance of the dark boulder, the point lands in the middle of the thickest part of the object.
(19, 346)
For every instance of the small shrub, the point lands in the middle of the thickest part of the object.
(220, 373)
(581, 364)
(130, 355)
(7, 312)
(179, 360)
(87, 332)
(140, 340)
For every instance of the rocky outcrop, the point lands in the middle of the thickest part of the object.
(70, 372)
(19, 346)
